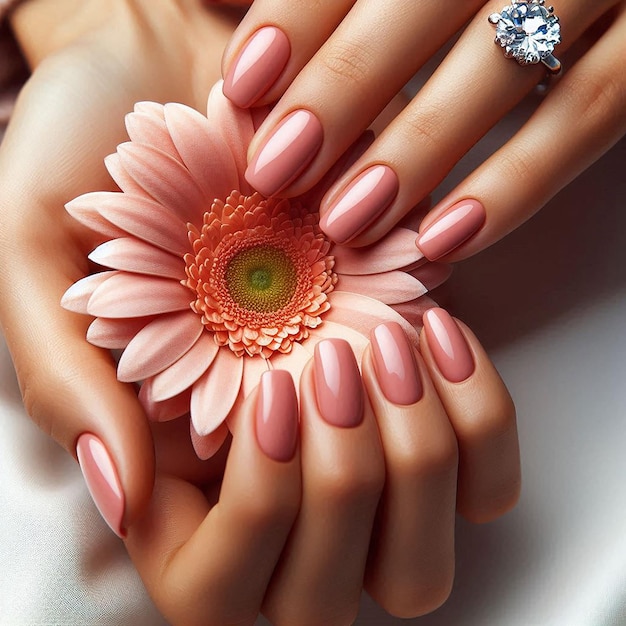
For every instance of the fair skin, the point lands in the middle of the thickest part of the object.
(360, 54)
(219, 541)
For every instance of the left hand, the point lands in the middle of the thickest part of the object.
(344, 61)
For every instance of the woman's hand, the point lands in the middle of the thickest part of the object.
(362, 492)
(92, 61)
(343, 61)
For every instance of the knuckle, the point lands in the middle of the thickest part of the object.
(435, 457)
(344, 483)
(269, 510)
(347, 62)
(517, 163)
(491, 419)
(423, 127)
(594, 96)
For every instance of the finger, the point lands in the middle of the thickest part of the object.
(272, 44)
(212, 566)
(411, 563)
(470, 91)
(69, 387)
(579, 120)
(320, 576)
(355, 74)
(481, 412)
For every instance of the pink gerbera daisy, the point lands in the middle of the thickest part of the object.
(211, 283)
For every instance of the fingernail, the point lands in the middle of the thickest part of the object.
(102, 480)
(451, 229)
(285, 153)
(365, 198)
(338, 387)
(394, 364)
(448, 346)
(277, 415)
(259, 64)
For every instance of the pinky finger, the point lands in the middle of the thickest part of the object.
(580, 119)
(481, 412)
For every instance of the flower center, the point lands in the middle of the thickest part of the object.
(261, 271)
(262, 278)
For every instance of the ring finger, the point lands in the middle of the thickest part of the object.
(470, 91)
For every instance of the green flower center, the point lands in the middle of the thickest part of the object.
(261, 278)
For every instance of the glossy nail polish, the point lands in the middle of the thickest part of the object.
(363, 200)
(102, 480)
(450, 230)
(285, 153)
(394, 364)
(277, 415)
(259, 64)
(338, 388)
(448, 346)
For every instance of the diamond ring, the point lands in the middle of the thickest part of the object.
(528, 32)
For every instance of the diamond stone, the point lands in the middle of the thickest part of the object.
(527, 31)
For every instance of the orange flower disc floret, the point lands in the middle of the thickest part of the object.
(261, 272)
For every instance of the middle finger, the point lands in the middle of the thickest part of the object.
(353, 76)
(320, 576)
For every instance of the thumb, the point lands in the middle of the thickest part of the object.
(69, 387)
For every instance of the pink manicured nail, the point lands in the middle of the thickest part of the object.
(285, 153)
(365, 198)
(102, 480)
(257, 67)
(338, 387)
(394, 363)
(448, 345)
(277, 415)
(451, 229)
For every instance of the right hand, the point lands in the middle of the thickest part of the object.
(362, 493)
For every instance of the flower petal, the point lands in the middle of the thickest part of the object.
(203, 151)
(133, 295)
(163, 411)
(145, 219)
(331, 330)
(214, 395)
(431, 275)
(253, 368)
(83, 209)
(114, 334)
(388, 287)
(122, 178)
(150, 108)
(295, 361)
(206, 446)
(362, 313)
(413, 311)
(159, 344)
(165, 179)
(151, 130)
(236, 126)
(186, 371)
(395, 250)
(133, 255)
(76, 298)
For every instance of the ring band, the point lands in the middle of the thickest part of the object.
(528, 32)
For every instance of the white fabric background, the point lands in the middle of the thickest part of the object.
(549, 303)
